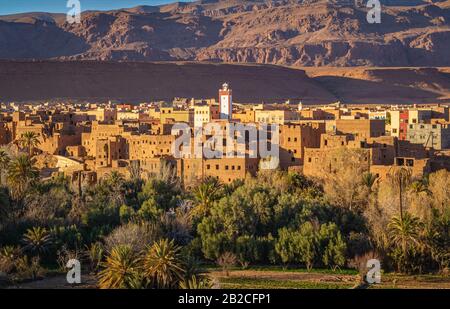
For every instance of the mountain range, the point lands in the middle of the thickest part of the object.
(282, 32)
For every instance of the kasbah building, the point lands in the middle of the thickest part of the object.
(87, 141)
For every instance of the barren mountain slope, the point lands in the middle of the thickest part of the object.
(286, 32)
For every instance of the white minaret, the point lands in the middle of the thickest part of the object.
(225, 102)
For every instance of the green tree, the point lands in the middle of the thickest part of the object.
(333, 246)
(297, 246)
(150, 210)
(307, 245)
(165, 194)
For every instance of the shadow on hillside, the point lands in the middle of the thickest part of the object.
(351, 90)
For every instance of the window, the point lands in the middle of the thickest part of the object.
(217, 166)
(208, 166)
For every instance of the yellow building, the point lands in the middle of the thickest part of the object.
(276, 116)
(169, 114)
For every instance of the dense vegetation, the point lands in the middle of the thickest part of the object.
(156, 233)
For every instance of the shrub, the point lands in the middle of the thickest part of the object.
(136, 235)
(94, 254)
(226, 261)
(8, 258)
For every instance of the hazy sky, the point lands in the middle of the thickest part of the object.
(59, 6)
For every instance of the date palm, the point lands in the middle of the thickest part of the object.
(162, 266)
(368, 180)
(419, 187)
(29, 140)
(116, 181)
(405, 232)
(4, 163)
(120, 270)
(21, 173)
(401, 178)
(205, 194)
(37, 240)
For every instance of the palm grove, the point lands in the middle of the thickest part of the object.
(158, 233)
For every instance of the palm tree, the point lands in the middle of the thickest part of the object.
(205, 194)
(162, 265)
(401, 178)
(37, 240)
(29, 141)
(418, 187)
(121, 269)
(405, 232)
(4, 163)
(21, 173)
(368, 180)
(116, 182)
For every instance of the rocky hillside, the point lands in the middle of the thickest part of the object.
(284, 32)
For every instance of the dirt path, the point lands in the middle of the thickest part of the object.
(58, 282)
(279, 275)
(387, 281)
